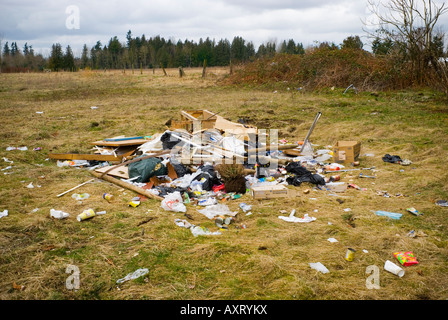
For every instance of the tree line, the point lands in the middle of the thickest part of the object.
(154, 52)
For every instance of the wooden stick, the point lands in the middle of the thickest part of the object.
(126, 185)
(80, 185)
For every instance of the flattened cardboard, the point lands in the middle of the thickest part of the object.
(272, 192)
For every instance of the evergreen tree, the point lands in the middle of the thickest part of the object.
(56, 60)
(69, 60)
(6, 50)
(84, 57)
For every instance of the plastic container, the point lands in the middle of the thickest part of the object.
(393, 268)
(86, 214)
(108, 196)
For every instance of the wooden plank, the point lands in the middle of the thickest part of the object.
(126, 185)
(80, 156)
(121, 143)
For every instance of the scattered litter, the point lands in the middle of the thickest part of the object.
(93, 107)
(4, 213)
(393, 268)
(217, 210)
(37, 149)
(135, 202)
(16, 148)
(319, 267)
(332, 240)
(291, 217)
(406, 258)
(442, 203)
(413, 234)
(7, 160)
(361, 175)
(207, 202)
(58, 214)
(202, 231)
(73, 163)
(414, 211)
(134, 275)
(80, 196)
(245, 207)
(222, 222)
(391, 215)
(350, 254)
(396, 159)
(30, 186)
(86, 214)
(108, 197)
(182, 223)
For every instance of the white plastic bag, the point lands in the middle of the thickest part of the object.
(174, 202)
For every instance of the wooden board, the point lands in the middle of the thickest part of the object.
(121, 172)
(133, 142)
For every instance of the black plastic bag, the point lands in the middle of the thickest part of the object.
(210, 178)
(391, 159)
(181, 170)
(169, 141)
(301, 174)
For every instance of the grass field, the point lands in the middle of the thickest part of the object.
(267, 260)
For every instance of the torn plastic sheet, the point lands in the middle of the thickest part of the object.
(202, 231)
(291, 218)
(134, 275)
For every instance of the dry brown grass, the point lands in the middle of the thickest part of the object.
(267, 260)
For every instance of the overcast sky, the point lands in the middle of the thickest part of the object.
(70, 22)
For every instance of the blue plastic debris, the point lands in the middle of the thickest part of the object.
(391, 215)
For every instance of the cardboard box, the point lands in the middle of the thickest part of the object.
(346, 151)
(336, 186)
(271, 192)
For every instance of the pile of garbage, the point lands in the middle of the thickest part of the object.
(205, 160)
